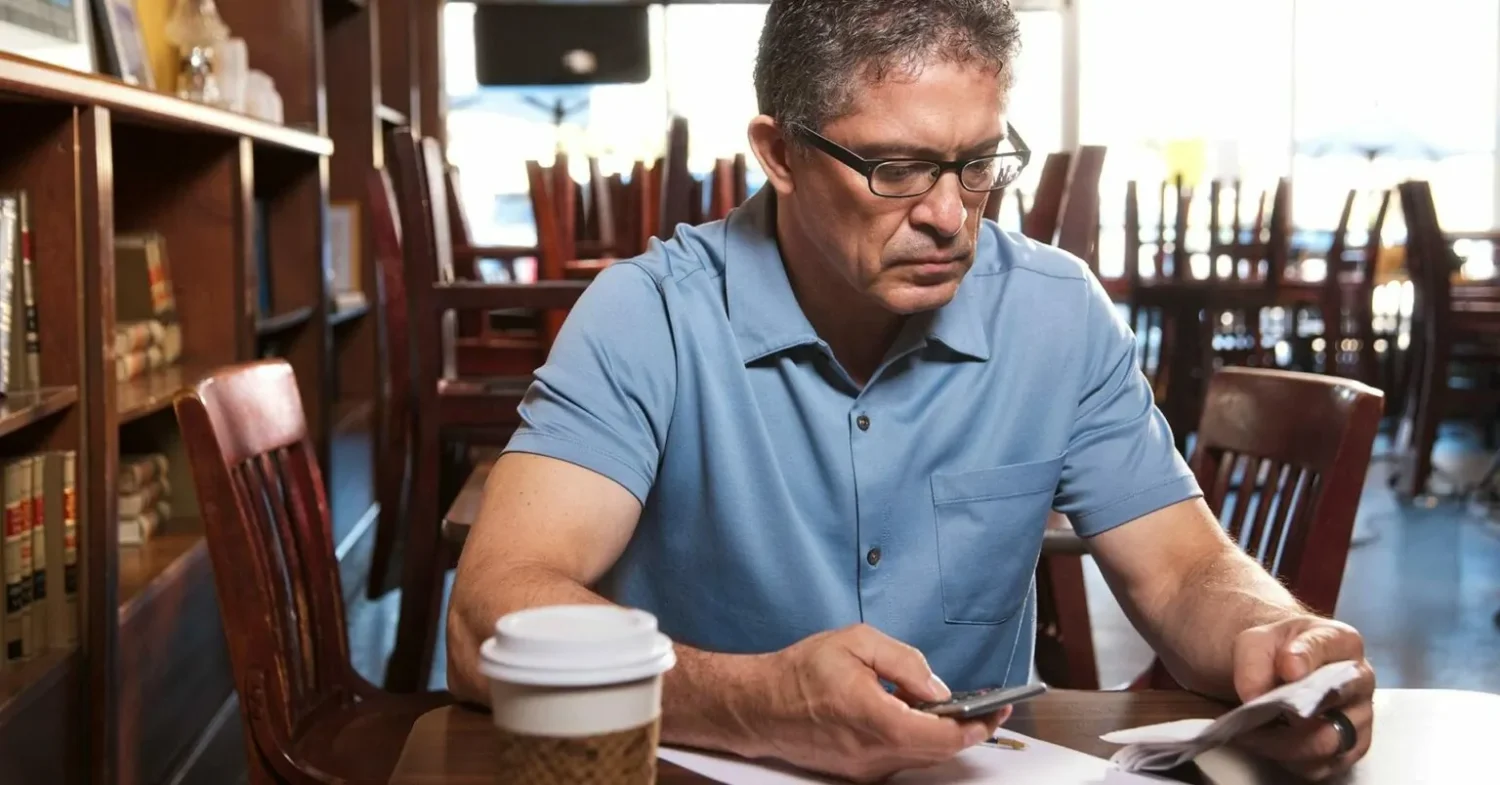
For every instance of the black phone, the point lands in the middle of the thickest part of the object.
(979, 703)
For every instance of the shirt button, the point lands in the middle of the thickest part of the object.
(864, 425)
(873, 557)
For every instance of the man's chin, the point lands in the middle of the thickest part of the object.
(909, 297)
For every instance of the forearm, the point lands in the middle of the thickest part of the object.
(708, 699)
(1214, 600)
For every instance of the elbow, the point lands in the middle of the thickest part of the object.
(465, 681)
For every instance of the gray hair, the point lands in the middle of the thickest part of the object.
(815, 53)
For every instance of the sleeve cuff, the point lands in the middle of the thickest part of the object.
(1102, 519)
(580, 454)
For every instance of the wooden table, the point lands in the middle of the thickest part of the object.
(1421, 736)
(465, 509)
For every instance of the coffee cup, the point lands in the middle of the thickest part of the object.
(575, 692)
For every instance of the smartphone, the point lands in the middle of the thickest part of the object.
(980, 703)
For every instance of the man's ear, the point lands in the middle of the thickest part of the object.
(769, 144)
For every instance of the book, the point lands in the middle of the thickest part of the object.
(137, 530)
(60, 520)
(10, 228)
(35, 517)
(136, 471)
(133, 504)
(33, 338)
(17, 484)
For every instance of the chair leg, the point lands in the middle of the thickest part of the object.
(1060, 576)
(424, 566)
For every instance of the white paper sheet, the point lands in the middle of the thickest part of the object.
(1040, 762)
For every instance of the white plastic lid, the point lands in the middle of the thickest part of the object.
(576, 646)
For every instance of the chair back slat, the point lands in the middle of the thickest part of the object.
(1316, 433)
(741, 179)
(1040, 221)
(266, 523)
(1078, 227)
(676, 181)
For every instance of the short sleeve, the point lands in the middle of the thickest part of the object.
(605, 395)
(1121, 463)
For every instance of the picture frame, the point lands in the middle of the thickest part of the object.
(122, 45)
(57, 32)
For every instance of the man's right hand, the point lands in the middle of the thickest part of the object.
(828, 712)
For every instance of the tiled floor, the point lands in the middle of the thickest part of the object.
(1423, 587)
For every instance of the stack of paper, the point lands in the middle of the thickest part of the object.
(1170, 744)
(1036, 762)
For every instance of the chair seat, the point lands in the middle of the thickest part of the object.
(361, 742)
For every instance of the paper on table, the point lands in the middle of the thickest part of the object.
(1038, 762)
(1170, 744)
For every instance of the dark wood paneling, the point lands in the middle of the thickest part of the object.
(183, 187)
(98, 455)
(398, 73)
(39, 744)
(176, 670)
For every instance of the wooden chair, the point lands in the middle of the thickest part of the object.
(1445, 328)
(447, 408)
(1291, 449)
(308, 716)
(1039, 221)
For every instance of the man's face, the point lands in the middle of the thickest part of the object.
(907, 254)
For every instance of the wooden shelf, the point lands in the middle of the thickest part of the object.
(19, 682)
(18, 410)
(26, 78)
(144, 569)
(155, 390)
(283, 322)
(390, 116)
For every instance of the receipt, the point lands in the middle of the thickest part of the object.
(1171, 744)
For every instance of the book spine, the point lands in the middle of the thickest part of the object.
(37, 518)
(9, 248)
(17, 485)
(28, 275)
(70, 544)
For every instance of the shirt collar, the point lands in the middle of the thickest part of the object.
(767, 319)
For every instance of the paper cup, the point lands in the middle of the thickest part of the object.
(576, 694)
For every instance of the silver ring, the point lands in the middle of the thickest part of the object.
(1348, 736)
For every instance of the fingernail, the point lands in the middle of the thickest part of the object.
(975, 735)
(940, 690)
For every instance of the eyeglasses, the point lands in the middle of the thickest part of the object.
(903, 177)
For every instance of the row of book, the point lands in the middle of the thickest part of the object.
(20, 337)
(41, 555)
(145, 345)
(145, 497)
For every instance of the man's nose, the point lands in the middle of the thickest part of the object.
(942, 209)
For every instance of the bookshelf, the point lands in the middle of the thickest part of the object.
(241, 207)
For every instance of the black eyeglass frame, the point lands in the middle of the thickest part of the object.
(867, 166)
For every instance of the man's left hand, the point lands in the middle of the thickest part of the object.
(1285, 651)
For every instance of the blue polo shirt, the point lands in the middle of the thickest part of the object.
(780, 499)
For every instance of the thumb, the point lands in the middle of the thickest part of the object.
(1255, 653)
(902, 665)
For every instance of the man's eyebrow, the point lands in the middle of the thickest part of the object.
(898, 150)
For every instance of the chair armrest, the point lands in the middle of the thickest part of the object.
(476, 296)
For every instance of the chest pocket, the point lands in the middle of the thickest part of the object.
(989, 535)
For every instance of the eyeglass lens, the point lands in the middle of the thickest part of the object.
(909, 178)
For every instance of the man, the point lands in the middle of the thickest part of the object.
(820, 440)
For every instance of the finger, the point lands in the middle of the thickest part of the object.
(1311, 741)
(1255, 662)
(1328, 641)
(902, 665)
(921, 734)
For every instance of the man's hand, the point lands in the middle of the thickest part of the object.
(1285, 651)
(828, 712)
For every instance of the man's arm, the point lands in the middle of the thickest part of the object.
(1190, 590)
(546, 532)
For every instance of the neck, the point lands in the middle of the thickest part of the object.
(858, 330)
